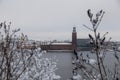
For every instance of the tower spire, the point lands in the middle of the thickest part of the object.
(74, 29)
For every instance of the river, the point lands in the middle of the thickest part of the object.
(64, 61)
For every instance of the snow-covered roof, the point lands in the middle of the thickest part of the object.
(61, 43)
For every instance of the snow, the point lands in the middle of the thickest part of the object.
(77, 77)
(100, 55)
(56, 77)
(44, 51)
(40, 68)
(61, 44)
(92, 61)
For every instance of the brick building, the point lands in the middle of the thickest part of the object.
(63, 46)
(75, 44)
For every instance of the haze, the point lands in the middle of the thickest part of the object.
(54, 19)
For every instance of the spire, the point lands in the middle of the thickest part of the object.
(74, 29)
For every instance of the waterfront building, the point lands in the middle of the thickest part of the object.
(75, 44)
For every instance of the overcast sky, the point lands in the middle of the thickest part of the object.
(54, 19)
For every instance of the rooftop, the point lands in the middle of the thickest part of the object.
(61, 43)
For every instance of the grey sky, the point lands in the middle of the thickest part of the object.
(54, 19)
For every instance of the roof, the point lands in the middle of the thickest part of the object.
(61, 43)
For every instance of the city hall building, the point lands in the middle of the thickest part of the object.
(75, 44)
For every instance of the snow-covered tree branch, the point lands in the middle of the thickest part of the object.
(20, 61)
(95, 68)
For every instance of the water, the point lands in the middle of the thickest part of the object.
(64, 62)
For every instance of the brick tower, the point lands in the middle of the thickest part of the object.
(74, 39)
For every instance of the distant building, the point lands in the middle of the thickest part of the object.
(83, 44)
(75, 44)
